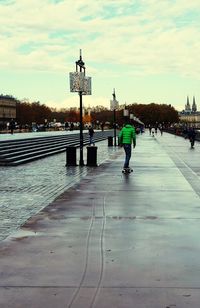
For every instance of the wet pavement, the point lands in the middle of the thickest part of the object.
(15, 136)
(26, 189)
(113, 240)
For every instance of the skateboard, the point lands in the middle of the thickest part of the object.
(127, 170)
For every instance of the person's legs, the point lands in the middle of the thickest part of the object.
(127, 149)
(91, 140)
(192, 142)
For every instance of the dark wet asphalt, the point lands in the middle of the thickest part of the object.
(114, 240)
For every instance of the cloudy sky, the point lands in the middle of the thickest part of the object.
(148, 50)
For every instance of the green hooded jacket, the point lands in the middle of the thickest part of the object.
(127, 135)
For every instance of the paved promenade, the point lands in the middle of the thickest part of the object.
(27, 189)
(113, 240)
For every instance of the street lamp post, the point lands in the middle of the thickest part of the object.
(81, 84)
(114, 118)
(81, 66)
(113, 106)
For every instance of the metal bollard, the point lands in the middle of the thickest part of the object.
(110, 141)
(92, 156)
(71, 156)
(118, 141)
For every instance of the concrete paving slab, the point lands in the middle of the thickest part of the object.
(117, 297)
(21, 297)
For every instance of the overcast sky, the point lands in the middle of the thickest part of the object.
(148, 50)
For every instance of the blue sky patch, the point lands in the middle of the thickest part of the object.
(55, 1)
(7, 2)
(189, 18)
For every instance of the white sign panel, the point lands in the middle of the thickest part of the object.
(76, 81)
(126, 112)
(114, 104)
(80, 83)
(87, 88)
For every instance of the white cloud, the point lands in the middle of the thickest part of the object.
(148, 38)
(73, 101)
(117, 37)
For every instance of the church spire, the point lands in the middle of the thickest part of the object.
(194, 106)
(187, 106)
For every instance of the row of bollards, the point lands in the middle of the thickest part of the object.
(71, 159)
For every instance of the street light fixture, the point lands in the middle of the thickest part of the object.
(126, 112)
(114, 104)
(81, 84)
(131, 116)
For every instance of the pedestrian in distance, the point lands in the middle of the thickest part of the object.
(91, 135)
(127, 137)
(153, 132)
(161, 129)
(12, 126)
(66, 125)
(191, 136)
(150, 129)
(185, 132)
(71, 126)
(102, 126)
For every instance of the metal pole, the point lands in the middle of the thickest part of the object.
(114, 102)
(115, 144)
(81, 64)
(81, 162)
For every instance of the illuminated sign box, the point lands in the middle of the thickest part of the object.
(114, 104)
(80, 83)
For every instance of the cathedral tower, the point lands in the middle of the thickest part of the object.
(194, 106)
(187, 106)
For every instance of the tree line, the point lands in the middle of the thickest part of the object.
(150, 114)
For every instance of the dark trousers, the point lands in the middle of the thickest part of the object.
(91, 139)
(127, 149)
(192, 141)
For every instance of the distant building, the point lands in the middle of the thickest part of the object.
(7, 108)
(190, 115)
(188, 109)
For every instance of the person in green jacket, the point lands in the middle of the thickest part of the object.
(127, 136)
